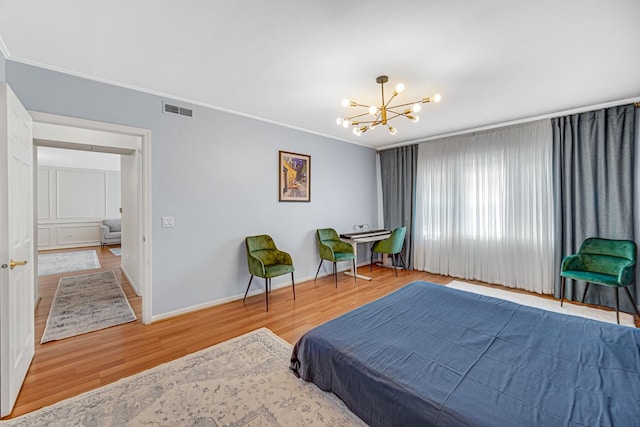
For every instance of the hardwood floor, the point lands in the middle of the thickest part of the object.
(66, 368)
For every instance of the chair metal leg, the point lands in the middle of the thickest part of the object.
(318, 269)
(586, 288)
(617, 305)
(335, 273)
(293, 286)
(394, 259)
(267, 285)
(633, 303)
(355, 276)
(561, 291)
(245, 294)
(371, 260)
(404, 266)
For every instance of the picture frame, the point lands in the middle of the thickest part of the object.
(294, 177)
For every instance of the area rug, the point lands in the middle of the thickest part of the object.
(546, 304)
(116, 251)
(66, 262)
(245, 381)
(87, 303)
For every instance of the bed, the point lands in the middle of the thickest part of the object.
(429, 355)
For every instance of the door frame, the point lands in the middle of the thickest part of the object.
(145, 191)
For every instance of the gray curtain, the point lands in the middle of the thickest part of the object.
(398, 176)
(593, 188)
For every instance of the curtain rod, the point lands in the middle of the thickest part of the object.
(635, 101)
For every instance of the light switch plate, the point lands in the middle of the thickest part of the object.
(168, 222)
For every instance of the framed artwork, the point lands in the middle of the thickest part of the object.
(294, 177)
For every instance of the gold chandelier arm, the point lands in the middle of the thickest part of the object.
(396, 114)
(408, 103)
(356, 104)
(364, 122)
(390, 99)
(356, 116)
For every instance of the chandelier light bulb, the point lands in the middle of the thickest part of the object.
(339, 121)
(373, 109)
(346, 102)
(437, 97)
(392, 130)
(415, 119)
(400, 88)
(416, 108)
(345, 124)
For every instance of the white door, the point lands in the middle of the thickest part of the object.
(17, 273)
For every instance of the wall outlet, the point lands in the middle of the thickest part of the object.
(168, 222)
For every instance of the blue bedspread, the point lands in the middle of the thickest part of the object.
(429, 355)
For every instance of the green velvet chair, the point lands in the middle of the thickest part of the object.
(331, 248)
(604, 262)
(266, 261)
(392, 245)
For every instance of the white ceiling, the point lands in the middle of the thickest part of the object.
(292, 61)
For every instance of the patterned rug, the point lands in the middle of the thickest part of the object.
(66, 262)
(87, 303)
(241, 382)
(546, 304)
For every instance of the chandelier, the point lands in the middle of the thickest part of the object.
(381, 115)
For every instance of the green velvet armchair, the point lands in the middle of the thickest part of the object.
(392, 245)
(604, 262)
(331, 248)
(266, 260)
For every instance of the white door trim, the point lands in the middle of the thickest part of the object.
(145, 135)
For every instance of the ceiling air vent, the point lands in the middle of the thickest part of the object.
(174, 109)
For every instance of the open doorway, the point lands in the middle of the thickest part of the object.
(132, 146)
(79, 192)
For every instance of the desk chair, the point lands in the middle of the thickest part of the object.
(392, 245)
(266, 260)
(603, 262)
(331, 248)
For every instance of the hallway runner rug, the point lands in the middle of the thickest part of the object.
(245, 381)
(116, 251)
(545, 303)
(66, 262)
(87, 303)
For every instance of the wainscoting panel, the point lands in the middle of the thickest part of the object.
(45, 238)
(68, 235)
(72, 204)
(81, 194)
(78, 234)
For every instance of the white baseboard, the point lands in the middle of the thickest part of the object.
(133, 284)
(210, 304)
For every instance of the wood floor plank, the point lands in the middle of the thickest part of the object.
(66, 368)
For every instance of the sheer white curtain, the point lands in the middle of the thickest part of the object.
(484, 207)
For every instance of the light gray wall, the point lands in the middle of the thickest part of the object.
(217, 175)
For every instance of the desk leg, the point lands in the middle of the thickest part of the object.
(354, 269)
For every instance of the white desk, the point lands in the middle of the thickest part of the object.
(354, 242)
